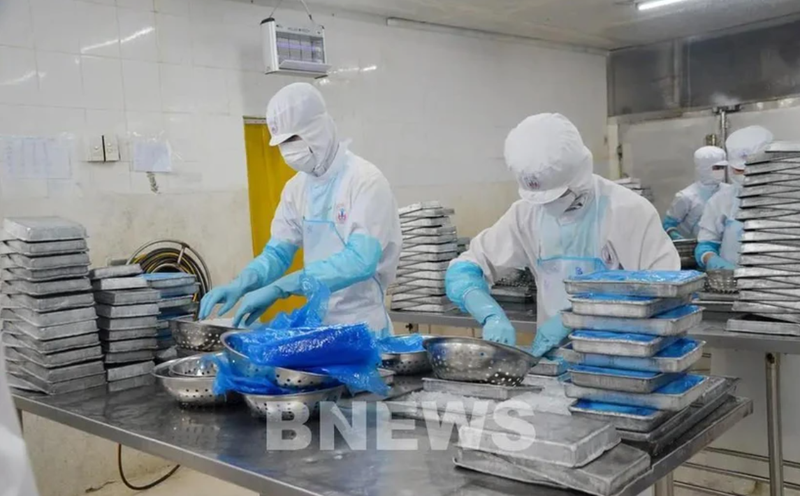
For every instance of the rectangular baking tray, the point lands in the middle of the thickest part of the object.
(788, 188)
(630, 381)
(62, 374)
(410, 297)
(443, 248)
(132, 383)
(409, 241)
(769, 178)
(115, 271)
(115, 358)
(768, 236)
(630, 418)
(414, 207)
(423, 274)
(780, 309)
(52, 303)
(176, 302)
(55, 318)
(51, 332)
(59, 359)
(43, 229)
(763, 326)
(426, 213)
(403, 289)
(123, 372)
(163, 280)
(763, 213)
(426, 257)
(673, 397)
(763, 272)
(558, 439)
(671, 323)
(127, 311)
(775, 295)
(412, 266)
(19, 339)
(476, 390)
(764, 284)
(129, 297)
(785, 222)
(130, 345)
(785, 249)
(768, 201)
(126, 324)
(620, 344)
(606, 476)
(185, 290)
(45, 248)
(146, 332)
(672, 284)
(420, 283)
(32, 383)
(118, 283)
(17, 273)
(633, 307)
(674, 359)
(549, 368)
(48, 287)
(49, 262)
(430, 231)
(429, 222)
(781, 259)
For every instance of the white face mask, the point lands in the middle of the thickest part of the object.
(560, 205)
(298, 156)
(737, 179)
(718, 175)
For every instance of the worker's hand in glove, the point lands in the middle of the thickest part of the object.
(675, 235)
(255, 304)
(716, 262)
(498, 329)
(548, 336)
(227, 295)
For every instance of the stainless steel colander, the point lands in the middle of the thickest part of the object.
(191, 391)
(300, 406)
(476, 360)
(412, 363)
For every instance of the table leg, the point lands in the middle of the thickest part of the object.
(665, 486)
(773, 368)
(19, 418)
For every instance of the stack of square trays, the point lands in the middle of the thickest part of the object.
(177, 292)
(768, 277)
(629, 354)
(127, 317)
(429, 244)
(49, 321)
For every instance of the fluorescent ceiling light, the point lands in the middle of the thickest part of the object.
(654, 4)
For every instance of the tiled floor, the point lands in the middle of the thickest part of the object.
(185, 482)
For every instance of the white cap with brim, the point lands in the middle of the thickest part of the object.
(542, 197)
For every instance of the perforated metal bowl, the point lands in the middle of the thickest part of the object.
(476, 360)
(194, 366)
(289, 407)
(198, 336)
(721, 281)
(286, 378)
(191, 391)
(413, 363)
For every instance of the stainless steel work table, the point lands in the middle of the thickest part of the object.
(231, 445)
(712, 332)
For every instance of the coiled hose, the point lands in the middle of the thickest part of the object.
(173, 256)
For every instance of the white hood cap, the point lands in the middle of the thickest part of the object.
(547, 155)
(745, 142)
(705, 159)
(299, 110)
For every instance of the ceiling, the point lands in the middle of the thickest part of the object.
(605, 24)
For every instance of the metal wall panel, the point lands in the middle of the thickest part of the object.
(642, 79)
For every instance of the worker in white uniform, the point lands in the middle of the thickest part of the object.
(339, 208)
(16, 477)
(720, 233)
(568, 222)
(683, 217)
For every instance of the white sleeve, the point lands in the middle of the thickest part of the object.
(287, 223)
(680, 207)
(373, 212)
(498, 248)
(712, 223)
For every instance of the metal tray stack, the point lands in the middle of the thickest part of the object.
(769, 275)
(686, 249)
(430, 242)
(127, 310)
(48, 317)
(176, 300)
(516, 288)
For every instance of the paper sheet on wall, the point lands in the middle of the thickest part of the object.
(28, 157)
(151, 156)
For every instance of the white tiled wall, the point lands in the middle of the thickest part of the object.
(431, 110)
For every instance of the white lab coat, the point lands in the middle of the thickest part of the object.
(630, 234)
(689, 204)
(16, 477)
(719, 210)
(357, 198)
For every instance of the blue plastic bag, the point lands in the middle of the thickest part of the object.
(309, 315)
(401, 344)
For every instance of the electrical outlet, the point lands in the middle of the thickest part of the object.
(95, 151)
(111, 145)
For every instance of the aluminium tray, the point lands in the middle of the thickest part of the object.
(132, 383)
(629, 418)
(420, 299)
(116, 358)
(768, 167)
(783, 249)
(769, 201)
(422, 266)
(420, 283)
(427, 222)
(790, 189)
(443, 248)
(549, 367)
(52, 346)
(175, 302)
(773, 295)
(673, 397)
(393, 290)
(43, 229)
(146, 332)
(476, 390)
(47, 288)
(55, 318)
(52, 303)
(126, 324)
(50, 262)
(661, 284)
(57, 359)
(674, 359)
(619, 344)
(431, 275)
(409, 241)
(130, 297)
(185, 290)
(117, 283)
(425, 213)
(130, 345)
(426, 257)
(768, 236)
(430, 231)
(44, 248)
(61, 374)
(17, 273)
(557, 439)
(785, 222)
(764, 213)
(764, 284)
(781, 309)
(776, 259)
(769, 178)
(163, 280)
(51, 332)
(127, 311)
(630, 381)
(414, 207)
(115, 271)
(634, 307)
(671, 323)
(123, 372)
(762, 326)
(31, 383)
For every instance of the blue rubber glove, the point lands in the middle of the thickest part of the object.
(498, 329)
(255, 304)
(675, 235)
(548, 336)
(704, 247)
(264, 269)
(716, 262)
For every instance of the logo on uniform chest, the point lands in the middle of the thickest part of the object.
(340, 213)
